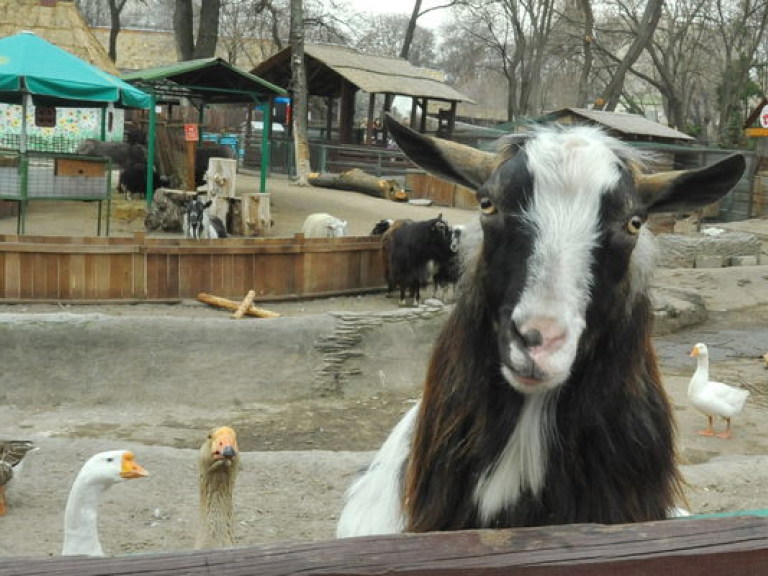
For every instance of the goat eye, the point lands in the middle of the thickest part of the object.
(486, 205)
(634, 224)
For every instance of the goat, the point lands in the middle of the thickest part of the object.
(322, 225)
(410, 248)
(386, 249)
(542, 403)
(381, 227)
(198, 223)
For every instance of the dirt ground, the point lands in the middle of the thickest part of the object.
(300, 456)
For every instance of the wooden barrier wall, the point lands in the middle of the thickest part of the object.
(441, 192)
(735, 546)
(156, 268)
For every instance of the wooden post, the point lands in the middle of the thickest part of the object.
(369, 120)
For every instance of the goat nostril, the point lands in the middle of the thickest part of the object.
(532, 338)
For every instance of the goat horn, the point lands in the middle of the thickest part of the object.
(449, 160)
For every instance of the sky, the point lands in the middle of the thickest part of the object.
(431, 20)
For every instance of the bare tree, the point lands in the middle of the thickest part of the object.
(115, 7)
(410, 29)
(382, 29)
(642, 35)
(207, 30)
(740, 27)
(299, 94)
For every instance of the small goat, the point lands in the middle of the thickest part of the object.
(411, 247)
(198, 223)
(322, 225)
(542, 401)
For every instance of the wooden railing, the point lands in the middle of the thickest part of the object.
(159, 268)
(736, 546)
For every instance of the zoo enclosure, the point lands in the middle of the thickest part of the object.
(161, 269)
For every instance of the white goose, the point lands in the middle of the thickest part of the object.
(81, 534)
(713, 398)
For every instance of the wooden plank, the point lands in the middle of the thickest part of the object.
(716, 547)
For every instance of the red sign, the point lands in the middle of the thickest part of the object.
(190, 133)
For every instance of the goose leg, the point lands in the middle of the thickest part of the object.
(727, 433)
(710, 431)
(3, 507)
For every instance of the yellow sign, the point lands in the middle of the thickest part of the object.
(756, 132)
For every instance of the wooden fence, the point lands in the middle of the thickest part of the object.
(161, 269)
(735, 546)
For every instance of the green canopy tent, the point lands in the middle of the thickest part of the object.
(33, 70)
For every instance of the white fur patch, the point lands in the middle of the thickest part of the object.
(565, 216)
(374, 501)
(523, 462)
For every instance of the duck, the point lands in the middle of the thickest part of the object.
(12, 453)
(713, 398)
(99, 473)
(218, 464)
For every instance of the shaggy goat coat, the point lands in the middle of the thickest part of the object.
(542, 402)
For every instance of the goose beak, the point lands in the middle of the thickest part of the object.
(131, 469)
(694, 352)
(224, 443)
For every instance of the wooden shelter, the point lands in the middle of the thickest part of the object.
(627, 127)
(338, 72)
(202, 82)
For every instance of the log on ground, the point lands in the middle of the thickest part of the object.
(234, 306)
(358, 181)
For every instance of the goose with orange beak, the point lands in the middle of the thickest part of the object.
(99, 473)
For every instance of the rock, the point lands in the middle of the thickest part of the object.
(680, 251)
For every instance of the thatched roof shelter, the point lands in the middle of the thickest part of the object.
(60, 23)
(339, 72)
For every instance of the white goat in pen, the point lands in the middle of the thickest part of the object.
(322, 225)
(198, 222)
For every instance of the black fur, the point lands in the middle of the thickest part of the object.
(412, 246)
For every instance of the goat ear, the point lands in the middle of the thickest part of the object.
(448, 160)
(686, 190)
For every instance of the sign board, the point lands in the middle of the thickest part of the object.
(764, 117)
(190, 133)
(756, 132)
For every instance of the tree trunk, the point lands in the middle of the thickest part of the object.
(648, 25)
(587, 39)
(182, 30)
(115, 8)
(409, 32)
(208, 29)
(299, 93)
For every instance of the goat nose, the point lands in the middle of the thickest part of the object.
(542, 333)
(532, 338)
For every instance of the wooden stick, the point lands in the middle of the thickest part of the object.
(232, 305)
(244, 305)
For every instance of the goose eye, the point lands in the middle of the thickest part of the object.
(486, 205)
(110, 459)
(634, 224)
